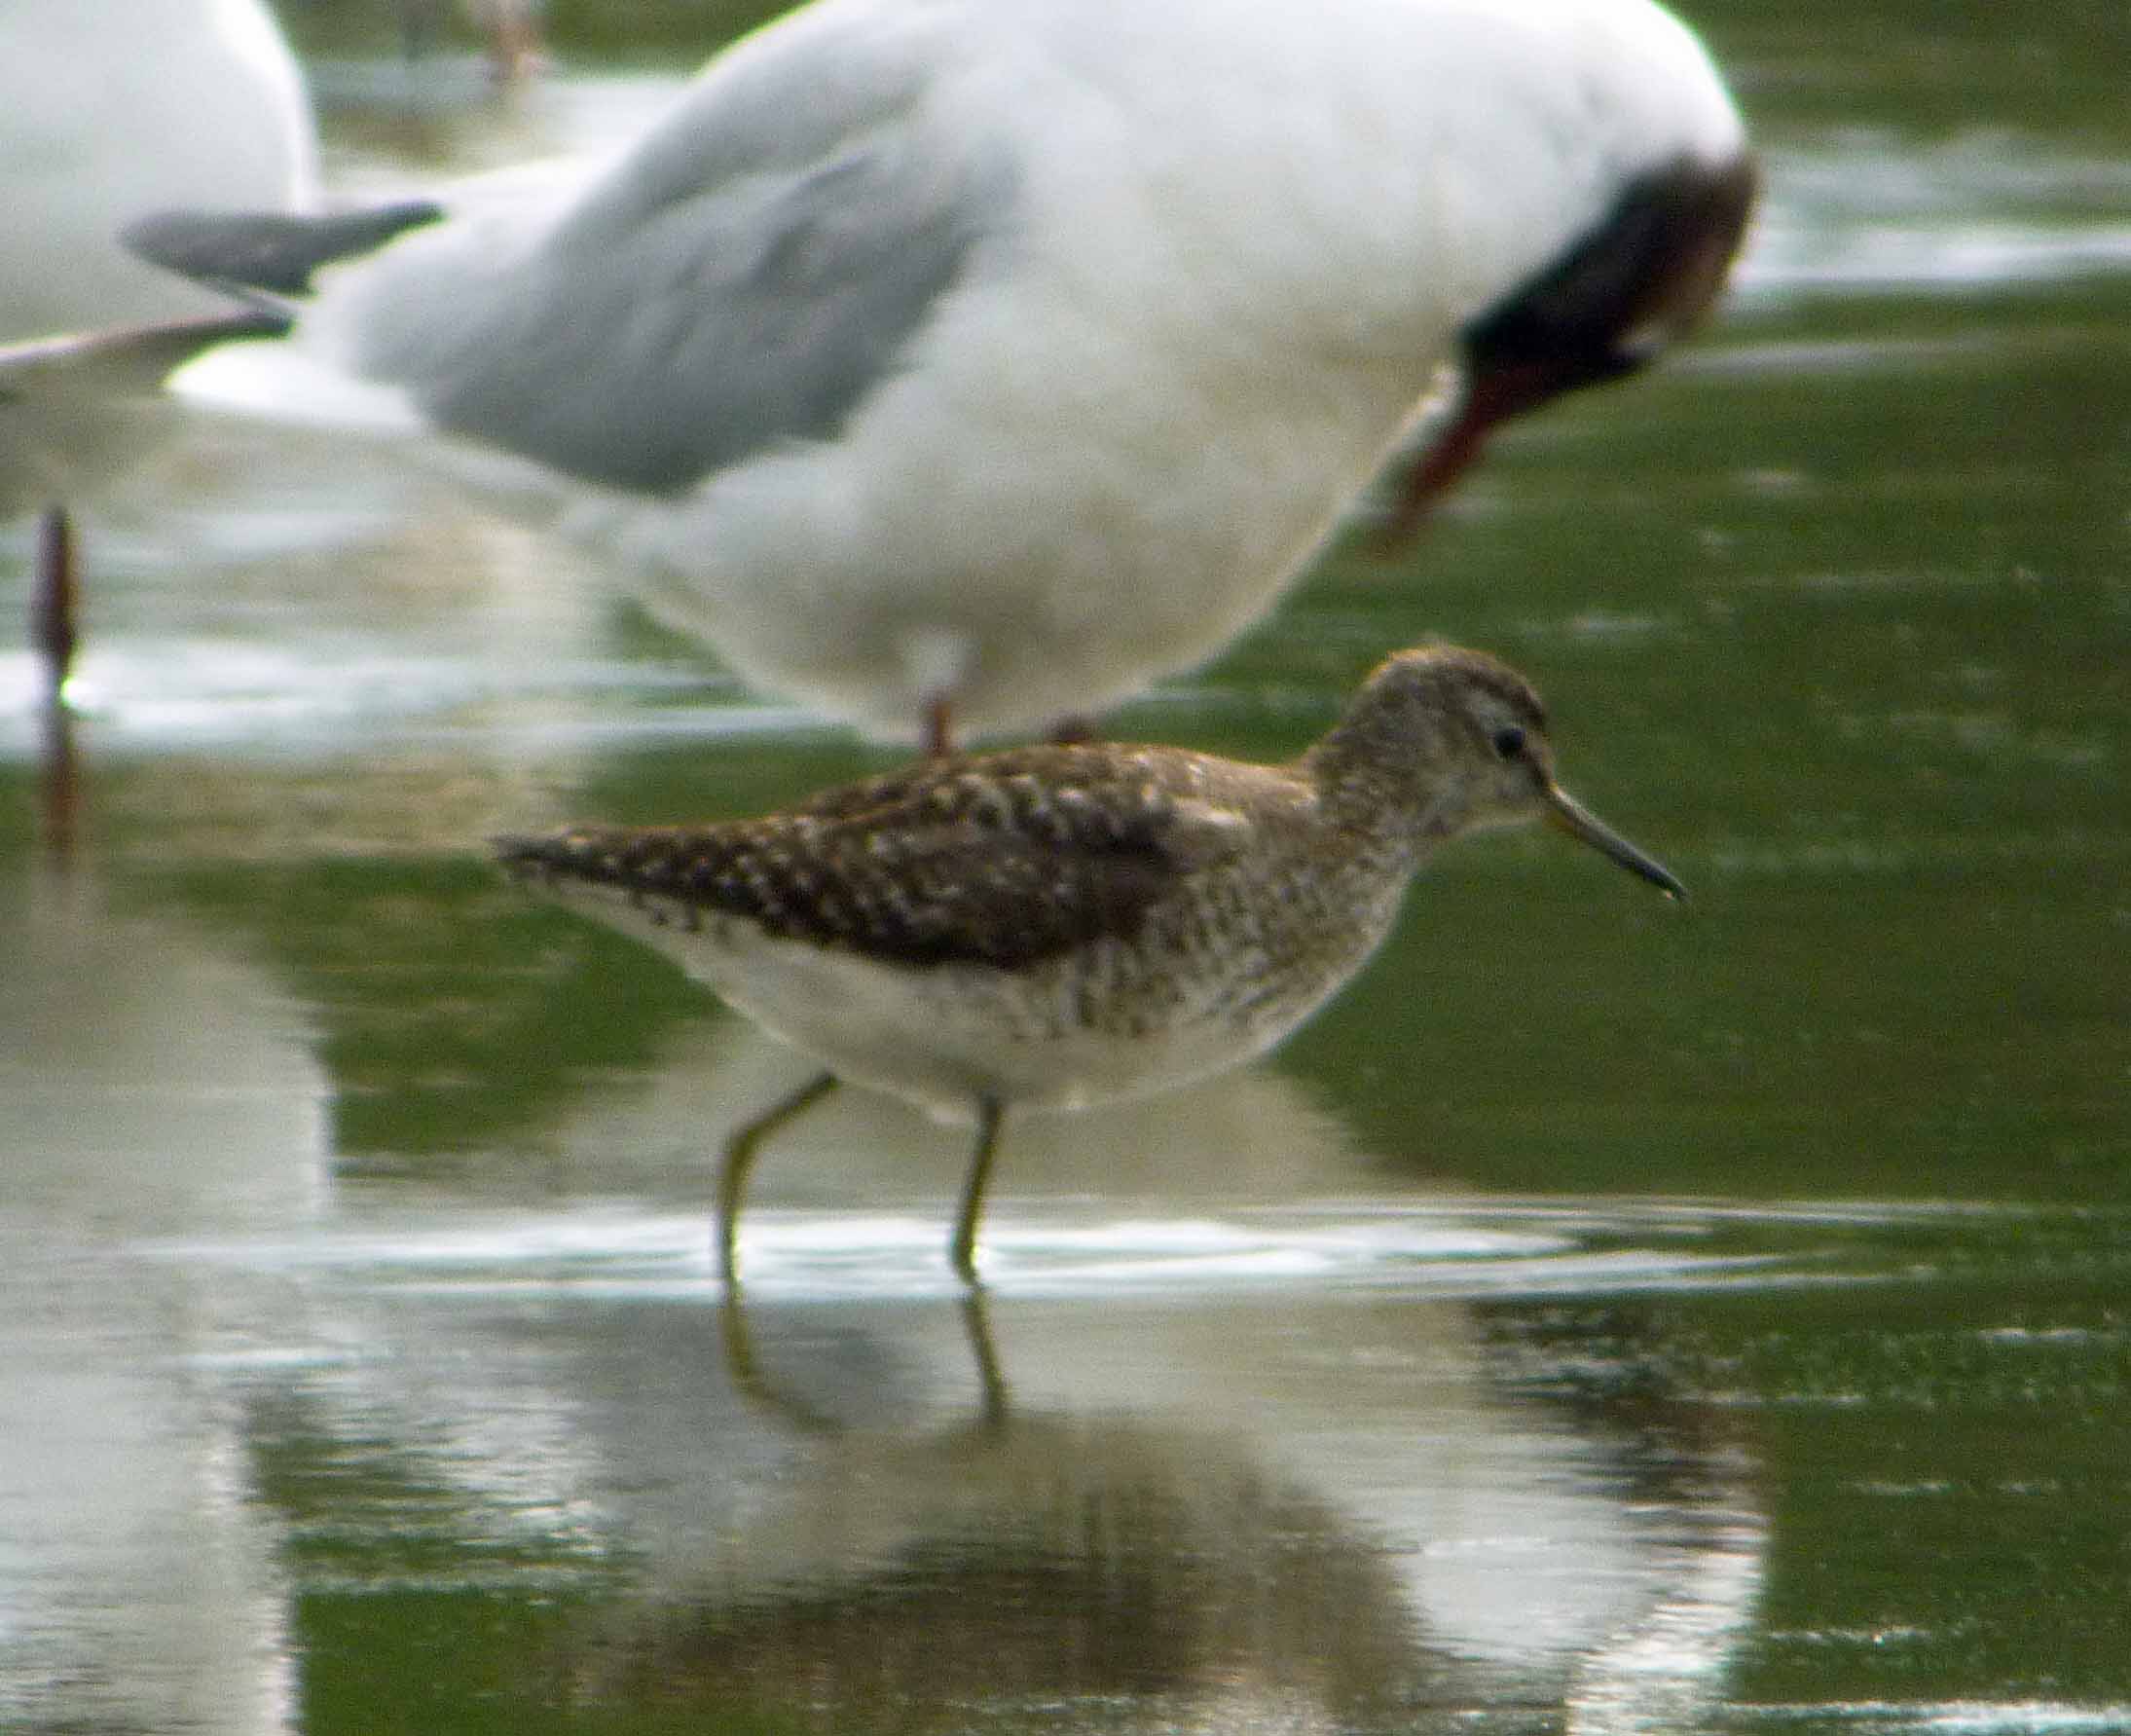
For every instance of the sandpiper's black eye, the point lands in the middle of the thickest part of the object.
(1509, 741)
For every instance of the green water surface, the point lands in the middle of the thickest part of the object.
(1608, 1316)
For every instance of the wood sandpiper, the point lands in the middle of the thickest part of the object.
(1052, 927)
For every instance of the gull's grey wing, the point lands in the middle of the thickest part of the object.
(269, 250)
(744, 276)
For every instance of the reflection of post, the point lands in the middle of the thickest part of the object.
(61, 789)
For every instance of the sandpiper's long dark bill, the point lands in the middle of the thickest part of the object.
(1052, 927)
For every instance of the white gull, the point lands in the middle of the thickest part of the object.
(976, 363)
(109, 110)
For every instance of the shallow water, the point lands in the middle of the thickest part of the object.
(1608, 1317)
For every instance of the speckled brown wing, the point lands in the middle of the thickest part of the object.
(1001, 861)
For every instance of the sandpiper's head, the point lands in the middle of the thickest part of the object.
(1449, 740)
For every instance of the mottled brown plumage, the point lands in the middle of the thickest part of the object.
(1055, 926)
(1001, 862)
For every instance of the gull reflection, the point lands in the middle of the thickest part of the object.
(152, 1086)
(1251, 1137)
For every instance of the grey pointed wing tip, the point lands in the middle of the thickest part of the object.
(156, 350)
(267, 250)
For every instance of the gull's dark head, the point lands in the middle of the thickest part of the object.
(1644, 277)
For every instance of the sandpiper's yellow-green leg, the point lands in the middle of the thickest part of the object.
(746, 1144)
(963, 1250)
(741, 1150)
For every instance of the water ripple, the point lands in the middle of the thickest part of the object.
(1487, 1249)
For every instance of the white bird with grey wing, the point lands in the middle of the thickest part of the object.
(975, 362)
(110, 110)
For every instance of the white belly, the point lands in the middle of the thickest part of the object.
(943, 1037)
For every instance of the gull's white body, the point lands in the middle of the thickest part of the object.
(1200, 262)
(111, 109)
